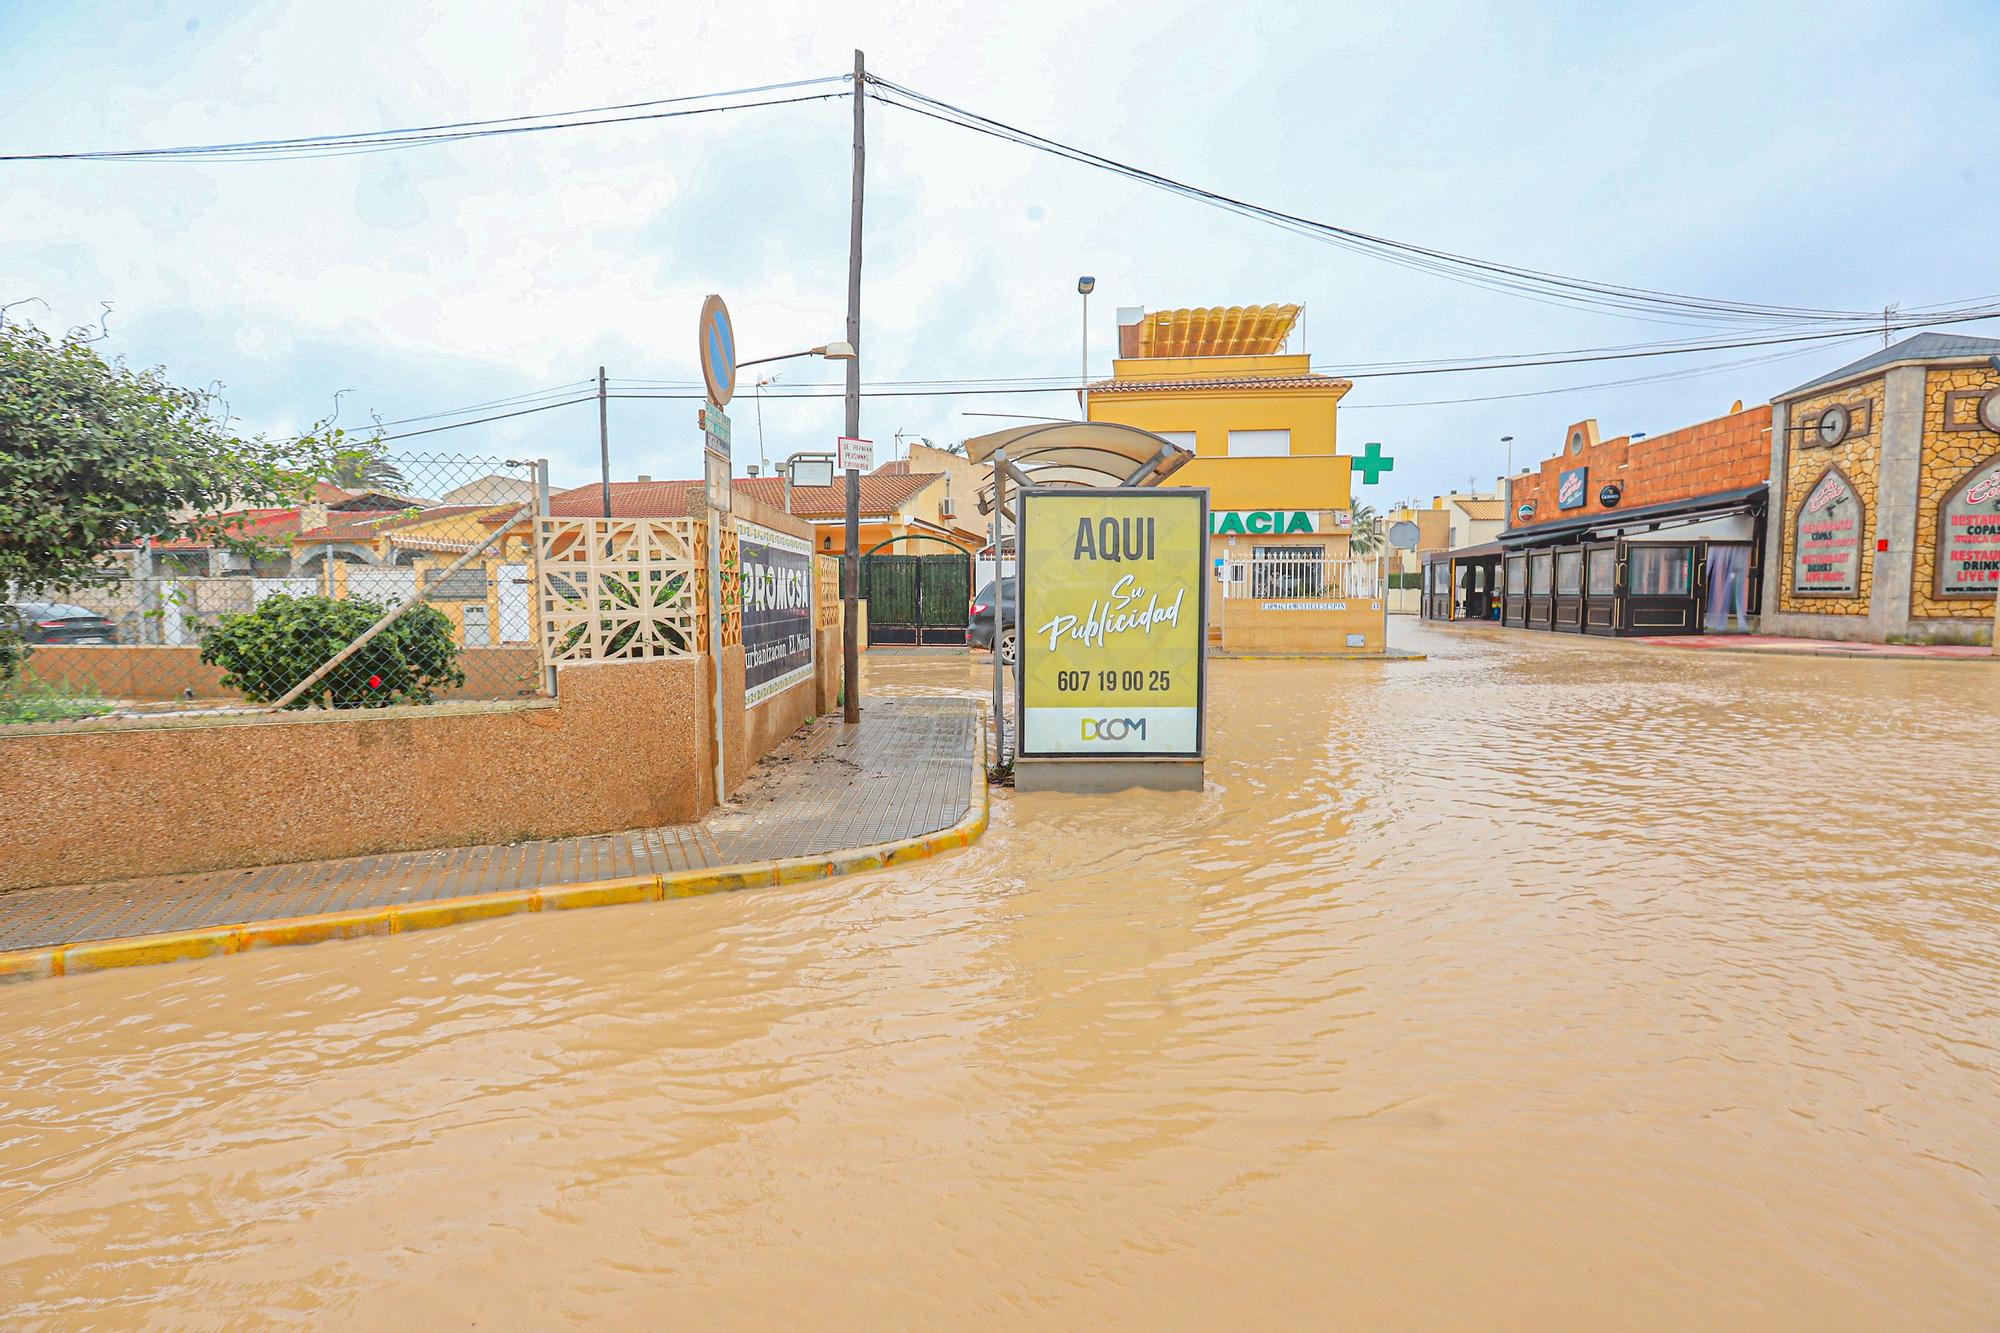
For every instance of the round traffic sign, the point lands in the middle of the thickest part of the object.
(718, 351)
(1403, 535)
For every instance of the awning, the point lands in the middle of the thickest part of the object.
(1464, 553)
(1739, 501)
(1077, 453)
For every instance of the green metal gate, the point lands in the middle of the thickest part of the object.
(917, 599)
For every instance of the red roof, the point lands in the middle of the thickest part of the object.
(238, 525)
(367, 525)
(881, 497)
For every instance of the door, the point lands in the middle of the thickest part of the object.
(1567, 612)
(1726, 594)
(1541, 578)
(1659, 589)
(1514, 591)
(517, 619)
(1600, 588)
(915, 600)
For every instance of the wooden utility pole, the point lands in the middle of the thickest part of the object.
(604, 439)
(850, 643)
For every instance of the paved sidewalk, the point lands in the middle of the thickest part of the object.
(907, 771)
(1772, 643)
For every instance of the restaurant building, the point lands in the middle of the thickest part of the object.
(1885, 496)
(1264, 430)
(1629, 536)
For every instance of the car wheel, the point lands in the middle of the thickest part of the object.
(1009, 649)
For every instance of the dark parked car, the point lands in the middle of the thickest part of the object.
(979, 623)
(56, 622)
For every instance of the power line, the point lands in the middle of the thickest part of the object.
(480, 421)
(333, 145)
(1532, 283)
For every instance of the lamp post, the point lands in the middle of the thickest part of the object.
(1508, 440)
(1085, 286)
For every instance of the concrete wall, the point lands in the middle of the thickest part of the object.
(626, 747)
(1253, 626)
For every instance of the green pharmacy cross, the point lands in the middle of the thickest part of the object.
(1373, 462)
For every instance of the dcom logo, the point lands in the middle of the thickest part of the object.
(1113, 728)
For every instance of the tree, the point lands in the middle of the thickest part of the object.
(365, 468)
(1367, 538)
(96, 455)
(265, 652)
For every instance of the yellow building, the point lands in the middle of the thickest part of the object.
(1265, 433)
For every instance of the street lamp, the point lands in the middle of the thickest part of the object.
(1085, 286)
(841, 351)
(1508, 440)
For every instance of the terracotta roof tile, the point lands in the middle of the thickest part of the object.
(369, 524)
(880, 496)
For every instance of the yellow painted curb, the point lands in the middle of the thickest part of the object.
(142, 950)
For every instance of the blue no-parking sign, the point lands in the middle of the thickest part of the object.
(718, 351)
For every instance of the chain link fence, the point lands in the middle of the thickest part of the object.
(288, 606)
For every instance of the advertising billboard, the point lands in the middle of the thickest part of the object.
(777, 610)
(1113, 614)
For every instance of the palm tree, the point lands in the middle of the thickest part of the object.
(1367, 535)
(365, 470)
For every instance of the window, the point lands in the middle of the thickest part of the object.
(1184, 438)
(1517, 574)
(1538, 575)
(1659, 571)
(1280, 572)
(1603, 572)
(1259, 443)
(1569, 573)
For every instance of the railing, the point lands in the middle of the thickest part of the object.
(1271, 578)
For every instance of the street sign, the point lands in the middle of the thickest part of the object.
(1113, 607)
(718, 351)
(1403, 535)
(714, 430)
(715, 475)
(856, 455)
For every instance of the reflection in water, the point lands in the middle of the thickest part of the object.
(1544, 981)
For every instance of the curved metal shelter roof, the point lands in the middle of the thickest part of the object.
(1078, 454)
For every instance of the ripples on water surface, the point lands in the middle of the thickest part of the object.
(1544, 982)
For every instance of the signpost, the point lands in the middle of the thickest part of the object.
(1113, 615)
(856, 455)
(717, 339)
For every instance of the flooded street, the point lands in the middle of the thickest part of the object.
(1547, 982)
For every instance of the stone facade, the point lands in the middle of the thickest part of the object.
(1859, 458)
(1949, 455)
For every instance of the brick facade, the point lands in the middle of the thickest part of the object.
(1728, 453)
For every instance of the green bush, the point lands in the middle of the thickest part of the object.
(265, 652)
(28, 700)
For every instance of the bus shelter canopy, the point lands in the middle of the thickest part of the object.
(1078, 454)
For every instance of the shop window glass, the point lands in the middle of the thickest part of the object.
(1569, 573)
(1538, 576)
(1603, 577)
(1517, 573)
(1659, 571)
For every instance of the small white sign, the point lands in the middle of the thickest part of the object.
(856, 455)
(715, 471)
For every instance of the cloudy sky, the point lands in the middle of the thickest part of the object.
(1838, 155)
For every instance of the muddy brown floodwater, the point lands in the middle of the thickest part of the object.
(1544, 983)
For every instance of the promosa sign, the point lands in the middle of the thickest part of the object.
(1113, 622)
(1261, 522)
